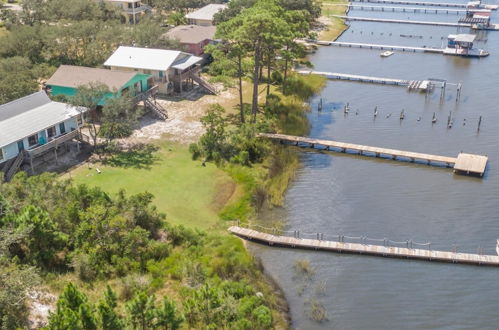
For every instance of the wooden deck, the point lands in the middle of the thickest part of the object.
(466, 163)
(471, 164)
(366, 249)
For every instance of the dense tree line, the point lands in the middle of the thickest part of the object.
(46, 34)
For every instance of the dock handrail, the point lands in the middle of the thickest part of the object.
(395, 249)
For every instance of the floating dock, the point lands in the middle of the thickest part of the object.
(426, 3)
(419, 85)
(463, 163)
(366, 249)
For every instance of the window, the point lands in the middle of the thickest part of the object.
(79, 120)
(1, 155)
(33, 140)
(62, 128)
(51, 132)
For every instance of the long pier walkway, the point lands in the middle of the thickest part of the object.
(423, 10)
(388, 47)
(463, 163)
(401, 21)
(426, 3)
(421, 85)
(366, 249)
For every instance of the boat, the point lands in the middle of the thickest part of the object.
(386, 54)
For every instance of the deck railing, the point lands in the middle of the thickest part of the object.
(145, 95)
(33, 152)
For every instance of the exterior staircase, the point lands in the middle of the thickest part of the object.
(203, 83)
(156, 108)
(13, 165)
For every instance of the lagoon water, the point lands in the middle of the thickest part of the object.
(357, 196)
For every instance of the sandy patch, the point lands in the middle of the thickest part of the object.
(184, 114)
(40, 305)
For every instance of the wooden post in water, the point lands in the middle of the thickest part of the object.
(458, 94)
(479, 123)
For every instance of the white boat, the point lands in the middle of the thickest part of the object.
(386, 54)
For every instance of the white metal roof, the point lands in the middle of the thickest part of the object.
(186, 62)
(465, 37)
(206, 12)
(144, 58)
(34, 119)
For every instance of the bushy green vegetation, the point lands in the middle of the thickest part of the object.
(55, 227)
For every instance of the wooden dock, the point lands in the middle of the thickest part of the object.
(366, 249)
(463, 163)
(401, 21)
(383, 47)
(426, 3)
(419, 85)
(491, 27)
(421, 10)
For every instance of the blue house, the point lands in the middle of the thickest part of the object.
(33, 125)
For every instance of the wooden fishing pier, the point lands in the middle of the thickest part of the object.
(401, 21)
(383, 47)
(444, 51)
(422, 10)
(426, 3)
(418, 85)
(464, 163)
(491, 27)
(365, 249)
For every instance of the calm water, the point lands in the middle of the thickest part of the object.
(336, 193)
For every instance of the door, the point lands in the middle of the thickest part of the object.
(62, 128)
(20, 145)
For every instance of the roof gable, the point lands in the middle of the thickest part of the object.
(207, 12)
(191, 34)
(26, 103)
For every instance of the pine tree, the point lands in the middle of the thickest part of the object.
(167, 316)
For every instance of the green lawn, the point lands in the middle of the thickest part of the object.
(189, 193)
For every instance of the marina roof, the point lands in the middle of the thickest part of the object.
(191, 34)
(207, 12)
(75, 76)
(31, 114)
(465, 37)
(146, 58)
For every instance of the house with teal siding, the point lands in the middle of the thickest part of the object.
(34, 125)
(66, 80)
